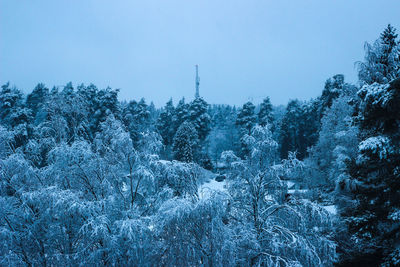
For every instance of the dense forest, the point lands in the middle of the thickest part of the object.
(88, 180)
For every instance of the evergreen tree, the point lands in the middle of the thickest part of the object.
(374, 217)
(309, 126)
(107, 104)
(136, 118)
(14, 115)
(299, 127)
(332, 90)
(165, 123)
(382, 59)
(88, 94)
(68, 89)
(36, 100)
(290, 129)
(154, 114)
(246, 119)
(143, 112)
(185, 142)
(388, 39)
(181, 113)
(198, 116)
(10, 98)
(265, 113)
(389, 36)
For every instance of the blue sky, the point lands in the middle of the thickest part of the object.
(246, 50)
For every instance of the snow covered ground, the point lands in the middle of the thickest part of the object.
(290, 184)
(206, 189)
(331, 209)
(298, 191)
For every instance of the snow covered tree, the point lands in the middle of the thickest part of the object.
(88, 96)
(36, 100)
(69, 108)
(129, 165)
(185, 143)
(64, 120)
(224, 133)
(180, 177)
(299, 127)
(87, 185)
(14, 115)
(373, 217)
(309, 126)
(265, 113)
(23, 225)
(194, 233)
(6, 142)
(107, 103)
(10, 105)
(332, 90)
(289, 130)
(136, 118)
(165, 123)
(273, 231)
(198, 116)
(181, 114)
(382, 61)
(246, 118)
(337, 144)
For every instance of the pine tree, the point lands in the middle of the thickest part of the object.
(154, 114)
(246, 119)
(165, 123)
(309, 126)
(181, 114)
(88, 94)
(107, 104)
(299, 127)
(198, 116)
(332, 90)
(14, 115)
(389, 39)
(265, 114)
(185, 142)
(289, 132)
(10, 98)
(37, 98)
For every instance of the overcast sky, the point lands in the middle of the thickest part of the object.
(245, 50)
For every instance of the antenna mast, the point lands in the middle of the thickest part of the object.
(197, 82)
